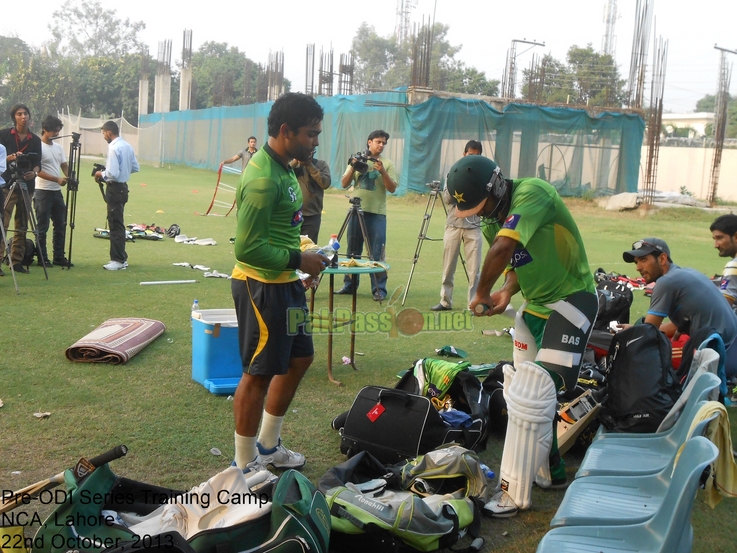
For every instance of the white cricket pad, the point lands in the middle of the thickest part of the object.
(531, 406)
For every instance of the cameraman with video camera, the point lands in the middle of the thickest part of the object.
(372, 177)
(23, 159)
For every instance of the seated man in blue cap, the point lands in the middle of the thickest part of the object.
(687, 297)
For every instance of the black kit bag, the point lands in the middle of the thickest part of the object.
(641, 383)
(392, 425)
(615, 299)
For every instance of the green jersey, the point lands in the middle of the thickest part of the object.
(269, 220)
(550, 259)
(370, 188)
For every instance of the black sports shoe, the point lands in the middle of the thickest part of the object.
(440, 307)
(344, 291)
(63, 262)
(18, 268)
(49, 264)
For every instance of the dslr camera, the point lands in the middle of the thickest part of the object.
(97, 167)
(360, 161)
(434, 185)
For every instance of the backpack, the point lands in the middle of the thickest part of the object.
(425, 504)
(28, 254)
(641, 384)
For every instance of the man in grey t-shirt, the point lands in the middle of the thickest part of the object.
(687, 297)
(245, 154)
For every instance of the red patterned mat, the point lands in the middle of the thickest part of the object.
(115, 341)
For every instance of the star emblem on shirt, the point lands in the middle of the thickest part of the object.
(458, 197)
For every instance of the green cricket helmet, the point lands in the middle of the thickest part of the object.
(471, 181)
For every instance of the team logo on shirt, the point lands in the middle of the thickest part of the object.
(724, 284)
(297, 217)
(292, 194)
(521, 258)
(511, 221)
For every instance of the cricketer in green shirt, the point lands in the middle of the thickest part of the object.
(550, 259)
(269, 219)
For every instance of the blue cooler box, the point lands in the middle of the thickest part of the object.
(216, 361)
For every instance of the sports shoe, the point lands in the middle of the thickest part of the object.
(257, 465)
(345, 291)
(49, 264)
(115, 266)
(63, 262)
(501, 506)
(280, 457)
(440, 307)
(18, 268)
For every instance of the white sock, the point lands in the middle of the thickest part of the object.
(270, 432)
(245, 450)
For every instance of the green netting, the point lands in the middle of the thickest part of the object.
(574, 149)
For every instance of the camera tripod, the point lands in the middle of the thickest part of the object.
(17, 183)
(356, 212)
(72, 188)
(435, 194)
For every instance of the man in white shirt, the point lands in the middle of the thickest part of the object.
(121, 163)
(48, 201)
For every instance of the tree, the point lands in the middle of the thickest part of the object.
(708, 104)
(219, 71)
(84, 28)
(381, 63)
(587, 78)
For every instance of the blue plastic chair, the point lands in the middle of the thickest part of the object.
(668, 531)
(616, 500)
(640, 455)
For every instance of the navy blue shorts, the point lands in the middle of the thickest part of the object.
(271, 325)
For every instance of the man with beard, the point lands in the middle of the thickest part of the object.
(724, 231)
(687, 297)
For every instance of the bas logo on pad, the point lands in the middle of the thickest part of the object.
(511, 221)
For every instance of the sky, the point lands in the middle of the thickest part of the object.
(483, 29)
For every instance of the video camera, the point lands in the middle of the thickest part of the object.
(434, 185)
(97, 167)
(22, 164)
(360, 161)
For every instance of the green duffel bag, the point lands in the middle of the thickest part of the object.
(89, 519)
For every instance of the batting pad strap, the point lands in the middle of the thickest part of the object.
(572, 314)
(558, 357)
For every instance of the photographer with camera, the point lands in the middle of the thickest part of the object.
(372, 177)
(121, 163)
(48, 200)
(466, 230)
(23, 160)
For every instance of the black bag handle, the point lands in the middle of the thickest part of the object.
(390, 393)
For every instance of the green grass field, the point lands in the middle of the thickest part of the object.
(170, 423)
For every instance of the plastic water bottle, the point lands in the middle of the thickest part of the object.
(335, 245)
(487, 471)
(331, 251)
(195, 305)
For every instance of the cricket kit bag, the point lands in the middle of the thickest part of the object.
(426, 504)
(400, 423)
(226, 514)
(641, 384)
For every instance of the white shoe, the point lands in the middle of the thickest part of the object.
(280, 457)
(501, 506)
(115, 266)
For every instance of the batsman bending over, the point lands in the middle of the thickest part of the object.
(536, 245)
